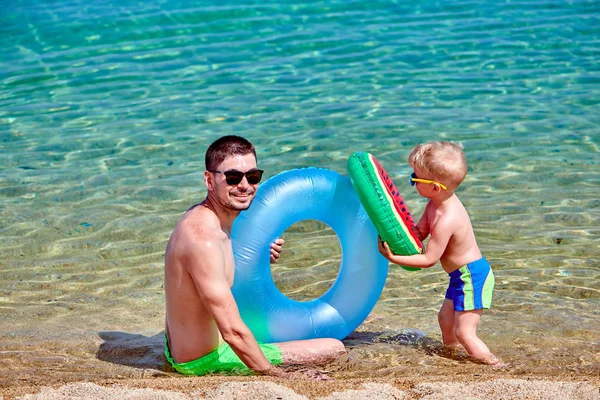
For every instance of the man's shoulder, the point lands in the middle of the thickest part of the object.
(199, 228)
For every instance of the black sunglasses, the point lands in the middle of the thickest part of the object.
(234, 177)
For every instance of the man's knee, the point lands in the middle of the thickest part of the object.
(331, 348)
(311, 351)
(337, 346)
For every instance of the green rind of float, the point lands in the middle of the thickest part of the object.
(373, 197)
(402, 231)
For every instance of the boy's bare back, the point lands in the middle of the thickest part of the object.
(451, 219)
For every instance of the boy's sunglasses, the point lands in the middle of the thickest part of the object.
(234, 177)
(413, 179)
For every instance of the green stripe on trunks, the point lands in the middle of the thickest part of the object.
(468, 288)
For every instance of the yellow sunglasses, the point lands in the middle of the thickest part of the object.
(413, 179)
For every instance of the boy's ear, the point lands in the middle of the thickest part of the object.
(437, 188)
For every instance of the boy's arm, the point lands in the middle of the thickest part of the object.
(440, 236)
(422, 227)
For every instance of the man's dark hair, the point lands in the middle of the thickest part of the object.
(227, 146)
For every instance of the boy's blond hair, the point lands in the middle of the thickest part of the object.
(443, 161)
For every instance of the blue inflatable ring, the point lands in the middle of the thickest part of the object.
(282, 201)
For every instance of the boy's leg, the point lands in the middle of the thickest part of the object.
(311, 352)
(446, 319)
(466, 333)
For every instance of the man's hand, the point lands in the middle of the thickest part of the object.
(276, 250)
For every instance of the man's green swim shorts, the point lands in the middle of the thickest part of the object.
(223, 359)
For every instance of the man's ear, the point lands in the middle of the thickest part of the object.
(208, 181)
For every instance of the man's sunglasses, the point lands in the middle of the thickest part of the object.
(234, 177)
(413, 179)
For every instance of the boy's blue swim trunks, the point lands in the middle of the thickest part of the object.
(471, 286)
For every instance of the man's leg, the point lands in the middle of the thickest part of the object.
(311, 352)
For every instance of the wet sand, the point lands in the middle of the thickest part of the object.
(126, 366)
(120, 365)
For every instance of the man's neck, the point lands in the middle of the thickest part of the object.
(224, 215)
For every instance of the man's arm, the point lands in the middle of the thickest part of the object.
(206, 266)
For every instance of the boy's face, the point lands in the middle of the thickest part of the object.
(427, 189)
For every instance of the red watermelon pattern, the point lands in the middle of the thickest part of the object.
(399, 204)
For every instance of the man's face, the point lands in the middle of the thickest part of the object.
(236, 197)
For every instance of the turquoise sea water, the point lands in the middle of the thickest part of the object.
(106, 109)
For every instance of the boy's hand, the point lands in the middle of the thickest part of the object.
(384, 248)
(276, 250)
(420, 235)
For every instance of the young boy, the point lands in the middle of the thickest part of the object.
(439, 168)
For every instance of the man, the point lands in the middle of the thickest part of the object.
(204, 330)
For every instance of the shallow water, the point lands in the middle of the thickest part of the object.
(106, 111)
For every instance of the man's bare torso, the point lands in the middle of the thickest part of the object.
(191, 330)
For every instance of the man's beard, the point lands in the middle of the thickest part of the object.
(233, 205)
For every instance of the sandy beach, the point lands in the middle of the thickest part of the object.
(247, 388)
